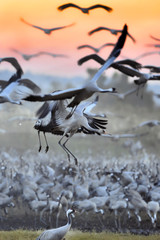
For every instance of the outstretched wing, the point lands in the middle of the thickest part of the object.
(58, 28)
(157, 39)
(64, 6)
(51, 54)
(109, 9)
(133, 39)
(24, 21)
(146, 54)
(86, 46)
(47, 107)
(3, 84)
(28, 83)
(130, 62)
(95, 57)
(13, 61)
(152, 68)
(113, 55)
(97, 29)
(60, 95)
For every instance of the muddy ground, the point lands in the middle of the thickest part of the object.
(83, 222)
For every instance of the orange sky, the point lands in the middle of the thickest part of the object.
(142, 18)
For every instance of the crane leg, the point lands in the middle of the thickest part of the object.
(67, 150)
(47, 146)
(40, 145)
(64, 144)
(64, 147)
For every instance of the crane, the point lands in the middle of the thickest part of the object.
(58, 233)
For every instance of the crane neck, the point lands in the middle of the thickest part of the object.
(69, 219)
(102, 69)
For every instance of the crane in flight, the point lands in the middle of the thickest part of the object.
(84, 10)
(52, 118)
(91, 87)
(46, 30)
(112, 31)
(27, 57)
(94, 48)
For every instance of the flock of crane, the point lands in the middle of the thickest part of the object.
(116, 189)
(46, 187)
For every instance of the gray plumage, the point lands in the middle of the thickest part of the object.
(53, 119)
(10, 90)
(58, 233)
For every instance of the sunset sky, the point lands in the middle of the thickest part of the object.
(142, 18)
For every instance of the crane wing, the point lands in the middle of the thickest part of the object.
(113, 55)
(97, 29)
(68, 93)
(13, 61)
(95, 57)
(28, 83)
(64, 6)
(109, 9)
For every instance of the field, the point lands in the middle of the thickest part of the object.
(74, 235)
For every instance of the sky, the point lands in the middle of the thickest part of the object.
(142, 18)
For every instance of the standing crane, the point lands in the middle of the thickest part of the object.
(58, 233)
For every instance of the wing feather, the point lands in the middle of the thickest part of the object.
(68, 93)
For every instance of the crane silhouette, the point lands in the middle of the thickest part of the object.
(95, 49)
(84, 10)
(113, 31)
(27, 57)
(46, 30)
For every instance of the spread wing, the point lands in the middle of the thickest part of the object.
(13, 61)
(97, 30)
(157, 39)
(28, 83)
(109, 9)
(47, 107)
(24, 21)
(64, 6)
(113, 55)
(133, 39)
(95, 57)
(3, 84)
(60, 95)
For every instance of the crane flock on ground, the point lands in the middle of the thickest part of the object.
(65, 113)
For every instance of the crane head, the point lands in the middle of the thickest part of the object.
(70, 212)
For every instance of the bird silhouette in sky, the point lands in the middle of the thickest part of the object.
(113, 31)
(27, 57)
(157, 39)
(95, 49)
(46, 30)
(116, 65)
(84, 10)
